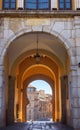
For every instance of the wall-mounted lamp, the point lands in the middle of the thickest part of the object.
(79, 64)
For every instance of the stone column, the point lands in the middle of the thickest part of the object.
(54, 5)
(24, 103)
(77, 4)
(20, 4)
(2, 77)
(11, 95)
(74, 101)
(19, 98)
(75, 79)
(64, 96)
(2, 97)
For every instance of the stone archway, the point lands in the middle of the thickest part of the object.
(56, 34)
(46, 60)
(25, 85)
(28, 69)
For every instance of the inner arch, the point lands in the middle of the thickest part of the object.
(53, 60)
(27, 43)
(39, 93)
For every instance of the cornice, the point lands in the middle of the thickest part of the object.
(38, 13)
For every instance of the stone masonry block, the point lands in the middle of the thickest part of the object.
(78, 74)
(68, 25)
(77, 33)
(78, 81)
(8, 33)
(77, 59)
(79, 101)
(66, 33)
(73, 60)
(72, 51)
(46, 29)
(74, 92)
(75, 123)
(73, 33)
(75, 102)
(79, 92)
(0, 92)
(37, 28)
(0, 102)
(1, 34)
(78, 51)
(74, 73)
(78, 41)
(72, 41)
(75, 113)
(58, 26)
(73, 81)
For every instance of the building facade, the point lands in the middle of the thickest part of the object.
(53, 25)
(40, 106)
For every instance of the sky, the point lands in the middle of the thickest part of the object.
(42, 85)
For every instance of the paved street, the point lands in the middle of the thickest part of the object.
(37, 126)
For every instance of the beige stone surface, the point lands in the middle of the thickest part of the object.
(37, 22)
(67, 30)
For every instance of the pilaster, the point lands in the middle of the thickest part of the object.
(65, 100)
(20, 4)
(2, 97)
(11, 95)
(75, 99)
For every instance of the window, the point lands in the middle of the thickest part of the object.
(64, 4)
(9, 4)
(37, 4)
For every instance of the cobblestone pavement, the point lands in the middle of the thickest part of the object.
(37, 126)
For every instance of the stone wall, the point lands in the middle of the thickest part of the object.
(68, 30)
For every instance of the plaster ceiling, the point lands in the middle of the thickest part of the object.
(28, 42)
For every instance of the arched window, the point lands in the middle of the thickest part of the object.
(9, 4)
(37, 4)
(65, 4)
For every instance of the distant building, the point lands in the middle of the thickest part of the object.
(40, 106)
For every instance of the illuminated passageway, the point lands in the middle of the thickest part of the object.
(22, 68)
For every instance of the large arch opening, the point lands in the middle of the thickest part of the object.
(21, 69)
(42, 85)
(37, 73)
(39, 107)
